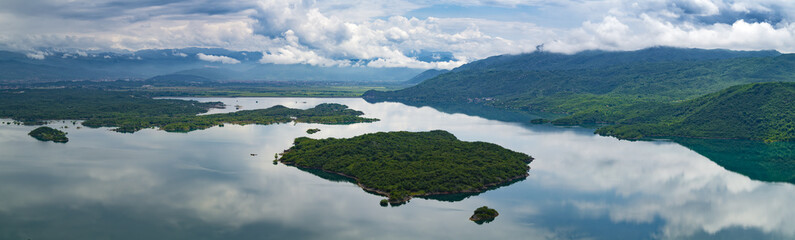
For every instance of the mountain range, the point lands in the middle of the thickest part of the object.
(214, 64)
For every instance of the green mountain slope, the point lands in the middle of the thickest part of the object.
(575, 90)
(601, 59)
(763, 111)
(630, 88)
(428, 74)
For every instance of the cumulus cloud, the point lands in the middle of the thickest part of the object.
(692, 23)
(309, 36)
(377, 34)
(38, 55)
(218, 59)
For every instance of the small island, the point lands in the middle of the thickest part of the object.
(49, 134)
(312, 130)
(484, 214)
(401, 165)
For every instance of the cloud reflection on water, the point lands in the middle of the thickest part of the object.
(208, 178)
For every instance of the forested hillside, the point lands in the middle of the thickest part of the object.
(763, 111)
(588, 87)
(645, 86)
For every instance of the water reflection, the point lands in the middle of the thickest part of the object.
(755, 159)
(205, 184)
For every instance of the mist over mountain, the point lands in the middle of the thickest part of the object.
(213, 64)
(541, 60)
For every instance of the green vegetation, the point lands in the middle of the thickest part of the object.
(400, 165)
(384, 202)
(326, 113)
(32, 105)
(652, 86)
(312, 130)
(578, 90)
(762, 111)
(130, 112)
(484, 214)
(49, 134)
(428, 74)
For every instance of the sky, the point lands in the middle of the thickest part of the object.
(392, 33)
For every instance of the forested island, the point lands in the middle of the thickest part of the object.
(312, 130)
(49, 134)
(484, 214)
(133, 111)
(400, 165)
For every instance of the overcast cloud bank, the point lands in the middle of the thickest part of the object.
(342, 33)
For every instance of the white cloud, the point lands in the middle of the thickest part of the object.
(342, 32)
(219, 59)
(613, 33)
(37, 55)
(294, 55)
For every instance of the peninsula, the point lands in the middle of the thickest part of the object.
(400, 165)
(133, 111)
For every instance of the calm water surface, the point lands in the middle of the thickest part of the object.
(206, 185)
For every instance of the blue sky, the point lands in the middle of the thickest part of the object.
(331, 32)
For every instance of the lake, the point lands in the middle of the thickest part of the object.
(207, 185)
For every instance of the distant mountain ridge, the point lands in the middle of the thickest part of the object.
(428, 74)
(540, 60)
(212, 63)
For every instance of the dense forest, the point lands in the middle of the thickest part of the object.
(130, 112)
(49, 134)
(32, 105)
(400, 165)
(576, 90)
(610, 87)
(762, 111)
